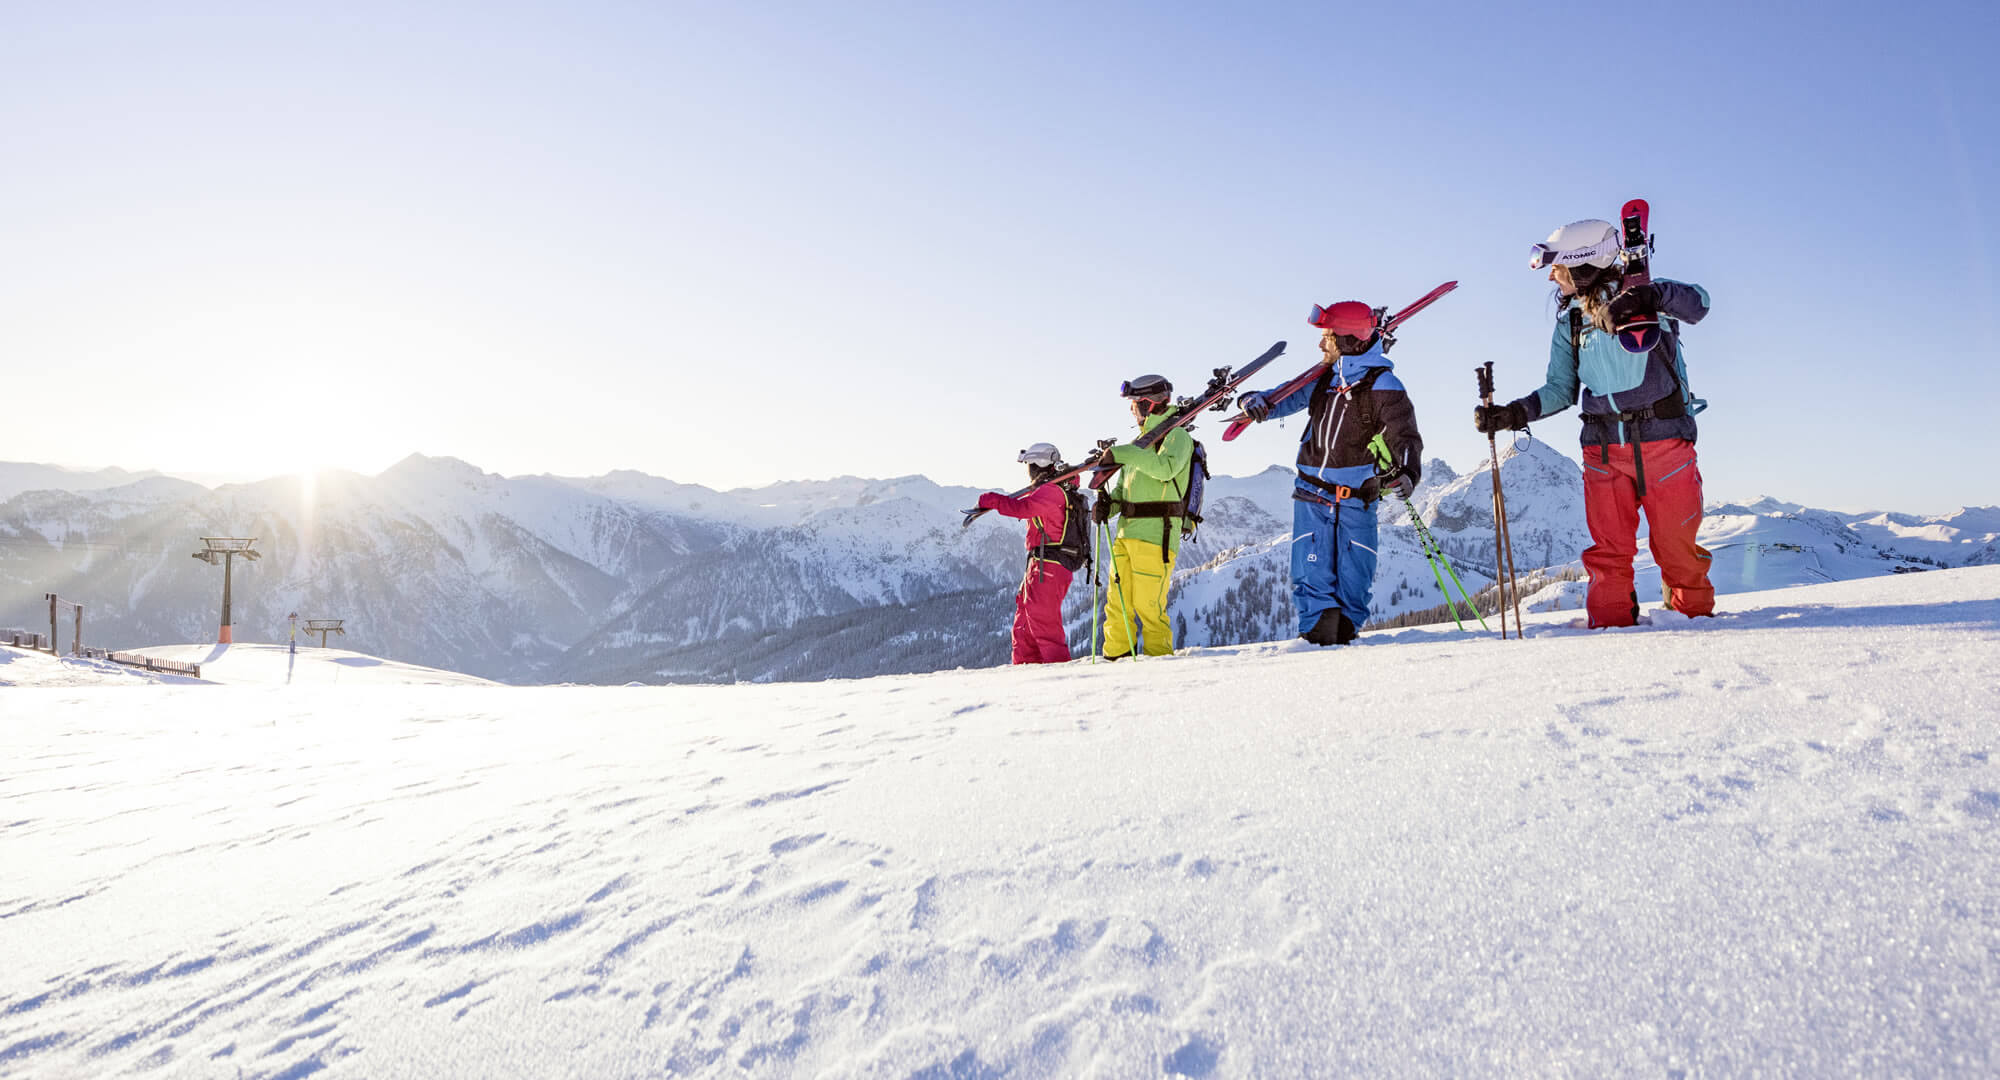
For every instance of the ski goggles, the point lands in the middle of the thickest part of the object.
(1146, 386)
(1603, 253)
(1350, 317)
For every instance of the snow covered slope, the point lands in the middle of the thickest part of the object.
(1758, 844)
(234, 665)
(24, 667)
(275, 665)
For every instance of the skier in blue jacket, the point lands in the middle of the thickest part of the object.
(1356, 398)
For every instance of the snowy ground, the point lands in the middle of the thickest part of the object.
(24, 667)
(235, 665)
(1763, 844)
(276, 665)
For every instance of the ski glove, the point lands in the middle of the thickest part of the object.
(1637, 302)
(1495, 418)
(1255, 406)
(1100, 512)
(1399, 483)
(989, 501)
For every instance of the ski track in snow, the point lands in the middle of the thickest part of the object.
(1763, 843)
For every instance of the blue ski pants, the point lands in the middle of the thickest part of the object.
(1333, 559)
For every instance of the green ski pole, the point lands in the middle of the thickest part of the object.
(1433, 551)
(1097, 583)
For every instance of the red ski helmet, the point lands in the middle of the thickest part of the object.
(1350, 317)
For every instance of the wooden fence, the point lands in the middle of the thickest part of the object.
(171, 667)
(24, 639)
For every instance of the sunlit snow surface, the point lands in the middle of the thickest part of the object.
(278, 665)
(1761, 844)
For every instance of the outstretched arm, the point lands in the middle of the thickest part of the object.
(1036, 503)
(1561, 384)
(1282, 407)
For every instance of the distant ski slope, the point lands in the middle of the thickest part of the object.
(232, 665)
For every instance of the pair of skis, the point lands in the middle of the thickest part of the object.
(1637, 333)
(1385, 325)
(1216, 395)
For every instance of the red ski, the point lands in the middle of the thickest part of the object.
(1640, 333)
(1384, 326)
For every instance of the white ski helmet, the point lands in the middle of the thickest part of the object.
(1589, 242)
(1042, 454)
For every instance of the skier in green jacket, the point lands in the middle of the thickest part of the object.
(1149, 495)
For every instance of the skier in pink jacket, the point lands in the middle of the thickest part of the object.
(1058, 539)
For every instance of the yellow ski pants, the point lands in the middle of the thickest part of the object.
(1138, 588)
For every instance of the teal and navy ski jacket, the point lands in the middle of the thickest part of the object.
(1334, 446)
(1627, 397)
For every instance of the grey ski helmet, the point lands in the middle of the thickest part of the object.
(1044, 455)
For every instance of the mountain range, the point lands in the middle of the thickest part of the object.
(630, 577)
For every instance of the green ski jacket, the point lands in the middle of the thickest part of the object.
(1152, 476)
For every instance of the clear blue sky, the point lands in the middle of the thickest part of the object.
(737, 243)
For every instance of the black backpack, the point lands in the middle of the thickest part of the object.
(1072, 552)
(1197, 483)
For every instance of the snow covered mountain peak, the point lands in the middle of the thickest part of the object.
(17, 477)
(1765, 504)
(422, 468)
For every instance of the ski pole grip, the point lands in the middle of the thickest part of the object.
(1484, 372)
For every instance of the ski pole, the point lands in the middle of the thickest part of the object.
(1097, 581)
(1435, 557)
(1450, 604)
(1503, 543)
(1445, 561)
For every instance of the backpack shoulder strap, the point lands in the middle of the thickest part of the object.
(1575, 337)
(1364, 398)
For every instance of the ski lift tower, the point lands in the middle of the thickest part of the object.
(323, 627)
(225, 549)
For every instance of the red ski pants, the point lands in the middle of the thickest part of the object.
(1038, 627)
(1672, 501)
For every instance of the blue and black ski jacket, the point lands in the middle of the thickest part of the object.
(1347, 407)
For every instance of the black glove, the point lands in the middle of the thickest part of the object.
(1489, 419)
(1398, 483)
(1636, 303)
(1100, 512)
(1256, 406)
